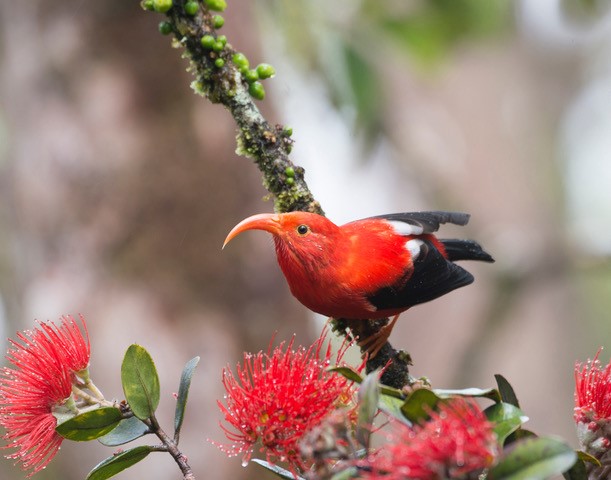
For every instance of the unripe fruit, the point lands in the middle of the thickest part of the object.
(218, 21)
(240, 60)
(256, 90)
(165, 28)
(216, 5)
(191, 8)
(265, 70)
(162, 6)
(208, 42)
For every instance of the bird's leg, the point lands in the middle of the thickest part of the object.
(374, 343)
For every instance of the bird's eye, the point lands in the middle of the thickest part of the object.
(303, 230)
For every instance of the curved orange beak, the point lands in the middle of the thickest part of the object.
(269, 222)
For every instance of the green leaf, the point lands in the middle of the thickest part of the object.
(279, 471)
(577, 471)
(508, 395)
(534, 459)
(519, 434)
(183, 393)
(392, 392)
(418, 404)
(90, 425)
(128, 429)
(392, 406)
(348, 373)
(491, 393)
(506, 417)
(355, 376)
(368, 396)
(117, 463)
(586, 457)
(140, 382)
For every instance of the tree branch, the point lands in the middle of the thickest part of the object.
(220, 80)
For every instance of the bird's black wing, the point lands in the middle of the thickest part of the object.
(428, 222)
(432, 277)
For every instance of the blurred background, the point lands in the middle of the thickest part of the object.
(118, 186)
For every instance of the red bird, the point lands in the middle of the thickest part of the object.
(367, 269)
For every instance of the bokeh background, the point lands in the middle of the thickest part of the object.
(118, 186)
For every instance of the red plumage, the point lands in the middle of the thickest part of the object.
(367, 269)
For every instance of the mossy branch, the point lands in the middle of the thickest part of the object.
(222, 76)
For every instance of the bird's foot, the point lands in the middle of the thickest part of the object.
(372, 344)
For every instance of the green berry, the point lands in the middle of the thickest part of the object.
(240, 60)
(288, 131)
(191, 8)
(251, 76)
(148, 5)
(289, 172)
(208, 42)
(219, 63)
(218, 46)
(218, 21)
(256, 90)
(290, 180)
(165, 28)
(162, 6)
(222, 39)
(265, 70)
(216, 5)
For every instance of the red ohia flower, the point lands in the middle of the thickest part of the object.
(593, 405)
(458, 439)
(44, 362)
(276, 397)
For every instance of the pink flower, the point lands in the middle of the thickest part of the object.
(278, 396)
(593, 405)
(44, 362)
(458, 439)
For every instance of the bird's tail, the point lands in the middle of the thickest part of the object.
(465, 250)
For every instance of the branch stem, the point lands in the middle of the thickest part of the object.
(170, 446)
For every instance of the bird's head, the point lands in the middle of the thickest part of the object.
(300, 235)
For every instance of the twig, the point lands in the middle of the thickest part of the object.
(171, 447)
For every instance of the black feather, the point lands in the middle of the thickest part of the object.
(432, 277)
(429, 221)
(465, 250)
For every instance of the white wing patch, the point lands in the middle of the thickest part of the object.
(414, 247)
(404, 229)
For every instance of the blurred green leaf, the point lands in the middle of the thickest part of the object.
(506, 417)
(586, 457)
(577, 471)
(183, 393)
(392, 406)
(350, 472)
(140, 382)
(519, 434)
(90, 425)
(117, 463)
(508, 395)
(279, 471)
(368, 396)
(430, 31)
(534, 459)
(418, 405)
(491, 393)
(366, 92)
(128, 429)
